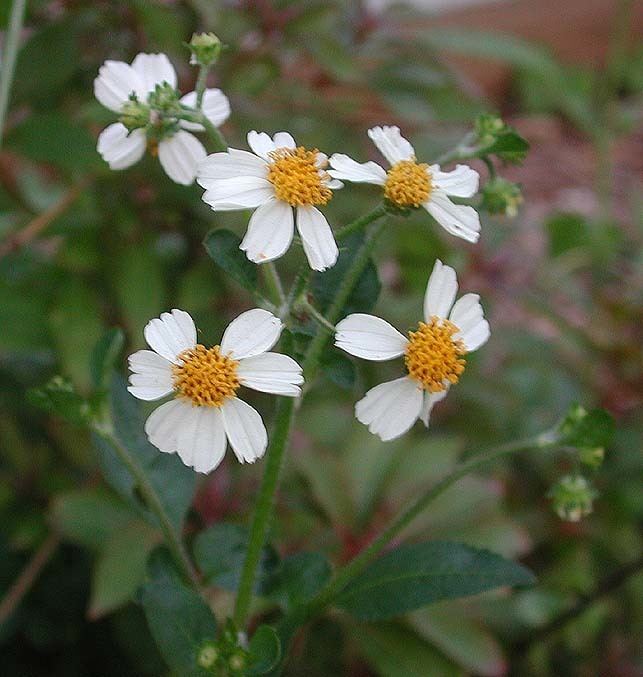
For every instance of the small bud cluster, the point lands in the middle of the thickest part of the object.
(205, 49)
(500, 196)
(228, 656)
(572, 497)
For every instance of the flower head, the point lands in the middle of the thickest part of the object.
(411, 184)
(434, 354)
(145, 97)
(284, 183)
(205, 382)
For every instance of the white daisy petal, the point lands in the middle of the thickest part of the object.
(245, 430)
(270, 232)
(283, 140)
(468, 316)
(119, 148)
(333, 184)
(261, 144)
(188, 434)
(180, 156)
(345, 168)
(252, 333)
(215, 107)
(233, 164)
(115, 82)
(440, 291)
(430, 399)
(393, 146)
(244, 192)
(152, 375)
(271, 373)
(163, 424)
(154, 69)
(459, 220)
(390, 409)
(369, 337)
(171, 334)
(317, 238)
(461, 182)
(201, 438)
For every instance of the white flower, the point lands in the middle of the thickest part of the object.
(434, 354)
(205, 409)
(411, 184)
(180, 152)
(283, 182)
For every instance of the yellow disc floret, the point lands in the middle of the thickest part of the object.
(408, 183)
(205, 376)
(433, 357)
(298, 177)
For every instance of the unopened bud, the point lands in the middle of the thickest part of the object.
(572, 498)
(500, 196)
(205, 49)
(208, 656)
(135, 115)
(488, 127)
(237, 662)
(592, 457)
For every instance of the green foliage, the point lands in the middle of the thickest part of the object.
(298, 579)
(104, 356)
(59, 397)
(223, 248)
(264, 651)
(586, 430)
(412, 576)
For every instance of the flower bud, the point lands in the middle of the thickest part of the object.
(572, 498)
(135, 115)
(500, 196)
(237, 662)
(488, 128)
(208, 656)
(592, 456)
(165, 100)
(205, 49)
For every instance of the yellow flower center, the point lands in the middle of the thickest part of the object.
(205, 376)
(408, 184)
(433, 356)
(297, 178)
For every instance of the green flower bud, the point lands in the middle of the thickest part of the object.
(208, 656)
(488, 128)
(500, 196)
(165, 100)
(135, 115)
(237, 662)
(205, 49)
(592, 457)
(572, 498)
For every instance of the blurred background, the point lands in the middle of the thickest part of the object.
(83, 249)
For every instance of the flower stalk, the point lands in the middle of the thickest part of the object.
(9, 57)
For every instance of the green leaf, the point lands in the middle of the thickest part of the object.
(415, 575)
(264, 650)
(179, 619)
(89, 517)
(174, 482)
(220, 552)
(339, 369)
(509, 146)
(586, 429)
(223, 248)
(120, 568)
(104, 356)
(60, 398)
(298, 578)
(566, 231)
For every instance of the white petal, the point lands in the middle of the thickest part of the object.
(317, 238)
(333, 184)
(115, 82)
(215, 107)
(244, 192)
(270, 232)
(459, 220)
(180, 156)
(390, 409)
(120, 149)
(245, 430)
(252, 333)
(468, 316)
(345, 168)
(163, 424)
(271, 373)
(461, 182)
(233, 164)
(284, 140)
(440, 291)
(261, 144)
(201, 439)
(369, 337)
(154, 69)
(393, 146)
(430, 399)
(152, 375)
(171, 334)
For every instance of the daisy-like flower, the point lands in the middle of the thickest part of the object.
(205, 410)
(434, 354)
(284, 183)
(409, 183)
(124, 88)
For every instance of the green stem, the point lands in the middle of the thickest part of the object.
(463, 151)
(9, 57)
(153, 502)
(273, 282)
(308, 308)
(199, 88)
(215, 135)
(360, 223)
(264, 507)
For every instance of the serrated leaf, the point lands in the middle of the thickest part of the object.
(223, 248)
(179, 619)
(104, 356)
(264, 651)
(415, 575)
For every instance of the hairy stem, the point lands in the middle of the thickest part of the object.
(9, 57)
(199, 88)
(360, 223)
(273, 282)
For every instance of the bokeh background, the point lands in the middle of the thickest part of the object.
(83, 249)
